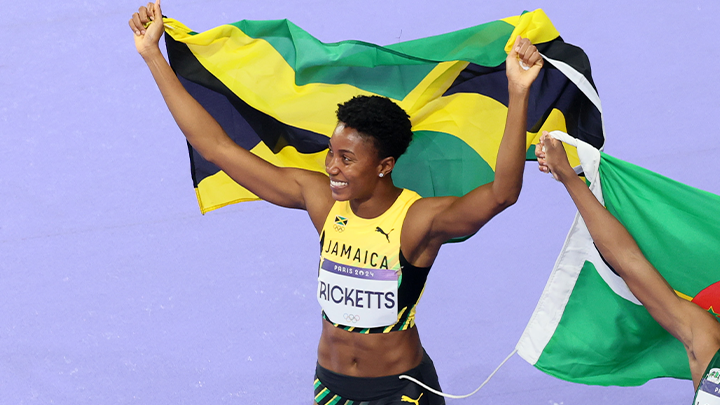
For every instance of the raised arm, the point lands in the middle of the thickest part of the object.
(693, 326)
(433, 221)
(293, 188)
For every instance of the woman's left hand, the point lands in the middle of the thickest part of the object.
(147, 24)
(522, 65)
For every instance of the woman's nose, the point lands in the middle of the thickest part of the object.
(330, 166)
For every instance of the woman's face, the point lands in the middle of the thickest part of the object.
(352, 163)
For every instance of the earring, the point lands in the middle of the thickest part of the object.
(381, 174)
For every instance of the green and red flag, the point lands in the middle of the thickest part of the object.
(588, 327)
(275, 89)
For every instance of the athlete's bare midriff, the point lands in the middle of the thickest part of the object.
(368, 355)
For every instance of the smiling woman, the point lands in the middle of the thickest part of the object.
(371, 135)
(378, 240)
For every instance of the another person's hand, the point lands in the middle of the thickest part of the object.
(147, 24)
(552, 158)
(523, 64)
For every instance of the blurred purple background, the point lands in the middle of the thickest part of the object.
(115, 290)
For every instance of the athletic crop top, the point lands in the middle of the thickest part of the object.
(365, 285)
(708, 392)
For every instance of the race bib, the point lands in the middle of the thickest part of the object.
(359, 297)
(708, 392)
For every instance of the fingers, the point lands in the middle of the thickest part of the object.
(540, 149)
(523, 65)
(144, 13)
(135, 24)
(527, 53)
(139, 20)
(154, 10)
(540, 152)
(144, 16)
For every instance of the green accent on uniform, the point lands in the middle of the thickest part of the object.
(335, 400)
(585, 325)
(322, 395)
(463, 169)
(404, 324)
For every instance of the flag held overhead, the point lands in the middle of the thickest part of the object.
(274, 89)
(588, 327)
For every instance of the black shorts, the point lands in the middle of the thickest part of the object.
(336, 389)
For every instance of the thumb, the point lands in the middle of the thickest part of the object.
(156, 27)
(157, 12)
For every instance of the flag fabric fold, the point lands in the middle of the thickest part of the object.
(587, 326)
(275, 89)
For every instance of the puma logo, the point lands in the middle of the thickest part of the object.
(387, 235)
(406, 398)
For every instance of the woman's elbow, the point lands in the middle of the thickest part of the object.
(506, 196)
(504, 201)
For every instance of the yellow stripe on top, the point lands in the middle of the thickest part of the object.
(534, 25)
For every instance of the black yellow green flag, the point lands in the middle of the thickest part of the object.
(274, 89)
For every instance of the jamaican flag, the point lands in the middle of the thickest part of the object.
(275, 89)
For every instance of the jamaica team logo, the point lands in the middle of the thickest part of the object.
(340, 223)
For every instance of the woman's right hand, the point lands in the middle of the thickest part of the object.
(147, 24)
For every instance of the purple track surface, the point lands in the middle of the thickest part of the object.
(115, 290)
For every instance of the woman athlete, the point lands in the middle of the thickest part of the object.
(378, 241)
(697, 329)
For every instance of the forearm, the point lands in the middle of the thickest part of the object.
(621, 251)
(199, 127)
(511, 154)
(609, 235)
(466, 215)
(203, 132)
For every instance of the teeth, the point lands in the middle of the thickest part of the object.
(335, 183)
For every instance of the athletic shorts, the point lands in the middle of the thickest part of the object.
(336, 389)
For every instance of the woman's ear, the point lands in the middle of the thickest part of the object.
(387, 165)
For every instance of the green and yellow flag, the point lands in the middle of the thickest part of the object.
(588, 327)
(275, 89)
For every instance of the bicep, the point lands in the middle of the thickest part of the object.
(463, 216)
(432, 221)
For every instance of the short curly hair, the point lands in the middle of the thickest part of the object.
(380, 119)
